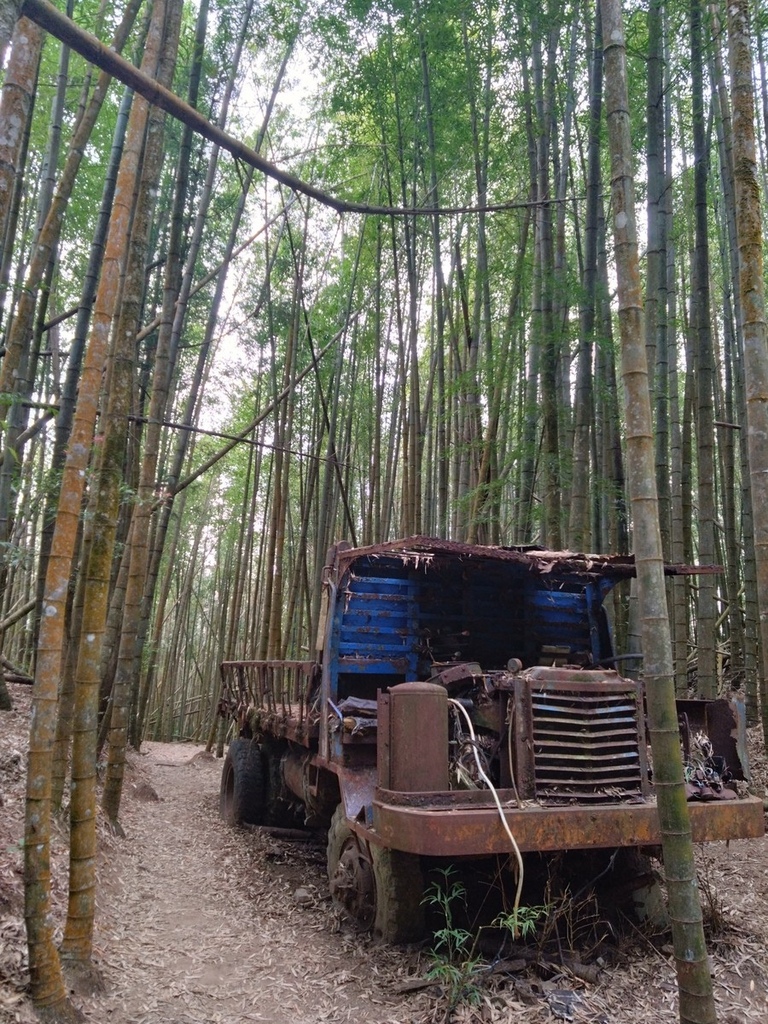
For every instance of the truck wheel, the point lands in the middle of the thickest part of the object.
(243, 793)
(637, 890)
(377, 888)
(350, 872)
(399, 894)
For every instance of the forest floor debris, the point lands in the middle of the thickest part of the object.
(201, 924)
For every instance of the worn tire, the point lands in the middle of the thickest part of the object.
(390, 884)
(338, 832)
(637, 891)
(243, 793)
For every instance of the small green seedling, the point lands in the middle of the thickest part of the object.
(454, 962)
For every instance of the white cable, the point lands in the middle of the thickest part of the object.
(495, 795)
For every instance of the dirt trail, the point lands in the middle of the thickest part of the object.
(198, 923)
(202, 924)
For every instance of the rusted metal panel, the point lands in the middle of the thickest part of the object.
(418, 550)
(289, 728)
(721, 721)
(383, 748)
(441, 800)
(357, 786)
(581, 735)
(418, 720)
(463, 831)
(281, 692)
(376, 618)
(370, 665)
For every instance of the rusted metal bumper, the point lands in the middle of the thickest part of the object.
(474, 829)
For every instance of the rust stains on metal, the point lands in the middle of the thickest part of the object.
(422, 550)
(451, 829)
(283, 692)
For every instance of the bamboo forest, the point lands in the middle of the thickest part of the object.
(277, 274)
(266, 374)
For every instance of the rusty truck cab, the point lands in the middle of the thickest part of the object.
(461, 693)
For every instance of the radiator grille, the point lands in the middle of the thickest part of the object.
(588, 741)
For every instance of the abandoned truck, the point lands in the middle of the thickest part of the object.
(463, 699)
